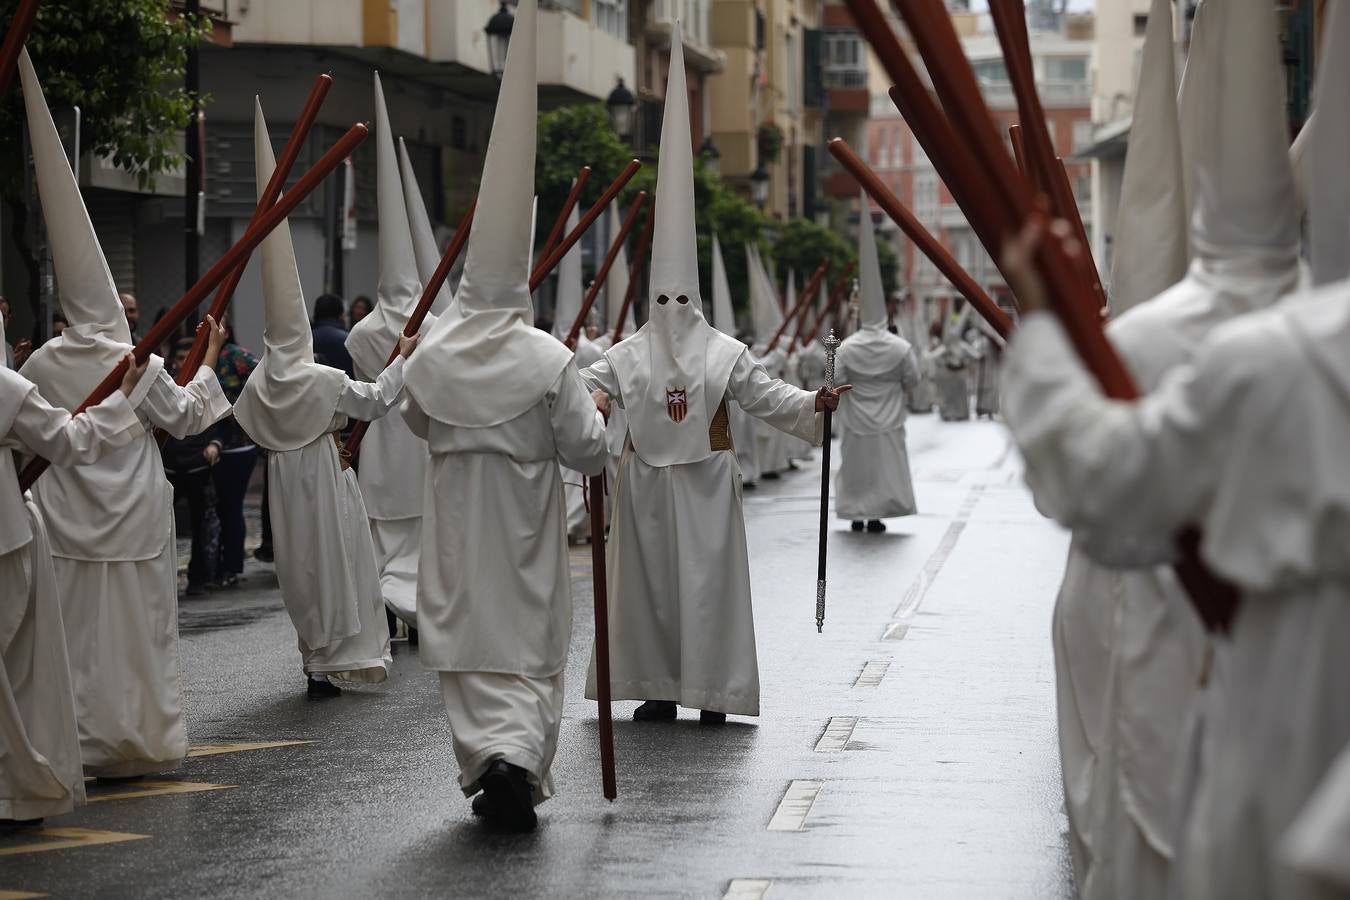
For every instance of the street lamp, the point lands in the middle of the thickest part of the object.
(498, 31)
(622, 106)
(759, 186)
(711, 156)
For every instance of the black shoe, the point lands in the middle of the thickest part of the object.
(770, 476)
(17, 824)
(263, 553)
(227, 581)
(655, 711)
(508, 802)
(876, 526)
(482, 805)
(792, 465)
(749, 485)
(708, 717)
(320, 688)
(857, 525)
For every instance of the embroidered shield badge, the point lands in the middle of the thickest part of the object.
(677, 404)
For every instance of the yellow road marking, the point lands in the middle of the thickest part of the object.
(142, 789)
(67, 838)
(217, 749)
(19, 895)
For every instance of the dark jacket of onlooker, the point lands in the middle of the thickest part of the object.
(330, 337)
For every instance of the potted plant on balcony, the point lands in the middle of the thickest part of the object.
(770, 141)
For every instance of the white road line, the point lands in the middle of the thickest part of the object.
(909, 604)
(747, 889)
(837, 734)
(795, 806)
(872, 673)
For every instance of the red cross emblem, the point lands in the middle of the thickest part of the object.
(677, 404)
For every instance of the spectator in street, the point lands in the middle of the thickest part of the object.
(189, 463)
(133, 313)
(359, 309)
(238, 455)
(330, 337)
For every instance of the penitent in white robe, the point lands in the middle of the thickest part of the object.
(325, 558)
(392, 468)
(771, 445)
(874, 480)
(112, 535)
(1317, 845)
(494, 591)
(681, 621)
(1244, 444)
(41, 774)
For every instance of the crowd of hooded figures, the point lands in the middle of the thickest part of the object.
(1197, 762)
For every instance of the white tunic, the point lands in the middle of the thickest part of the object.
(112, 536)
(1318, 843)
(874, 480)
(681, 621)
(325, 558)
(494, 591)
(41, 774)
(1245, 444)
(771, 444)
(392, 468)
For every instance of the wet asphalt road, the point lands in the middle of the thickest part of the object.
(909, 751)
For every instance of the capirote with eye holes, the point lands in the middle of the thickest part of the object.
(665, 298)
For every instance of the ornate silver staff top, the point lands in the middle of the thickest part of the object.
(831, 345)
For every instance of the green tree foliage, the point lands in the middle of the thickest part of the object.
(121, 62)
(576, 136)
(802, 245)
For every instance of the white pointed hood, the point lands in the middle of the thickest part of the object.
(674, 371)
(872, 349)
(289, 400)
(68, 367)
(423, 237)
(376, 336)
(1245, 199)
(616, 285)
(724, 318)
(484, 362)
(1151, 245)
(765, 316)
(1328, 153)
(568, 302)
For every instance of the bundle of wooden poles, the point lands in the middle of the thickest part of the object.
(999, 197)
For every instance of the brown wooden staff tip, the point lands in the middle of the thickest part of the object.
(803, 301)
(15, 35)
(573, 196)
(603, 274)
(836, 296)
(252, 237)
(550, 262)
(634, 269)
(927, 244)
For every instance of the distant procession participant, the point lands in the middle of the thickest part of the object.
(500, 405)
(293, 407)
(765, 316)
(681, 625)
(874, 481)
(953, 367)
(393, 461)
(742, 426)
(42, 775)
(110, 524)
